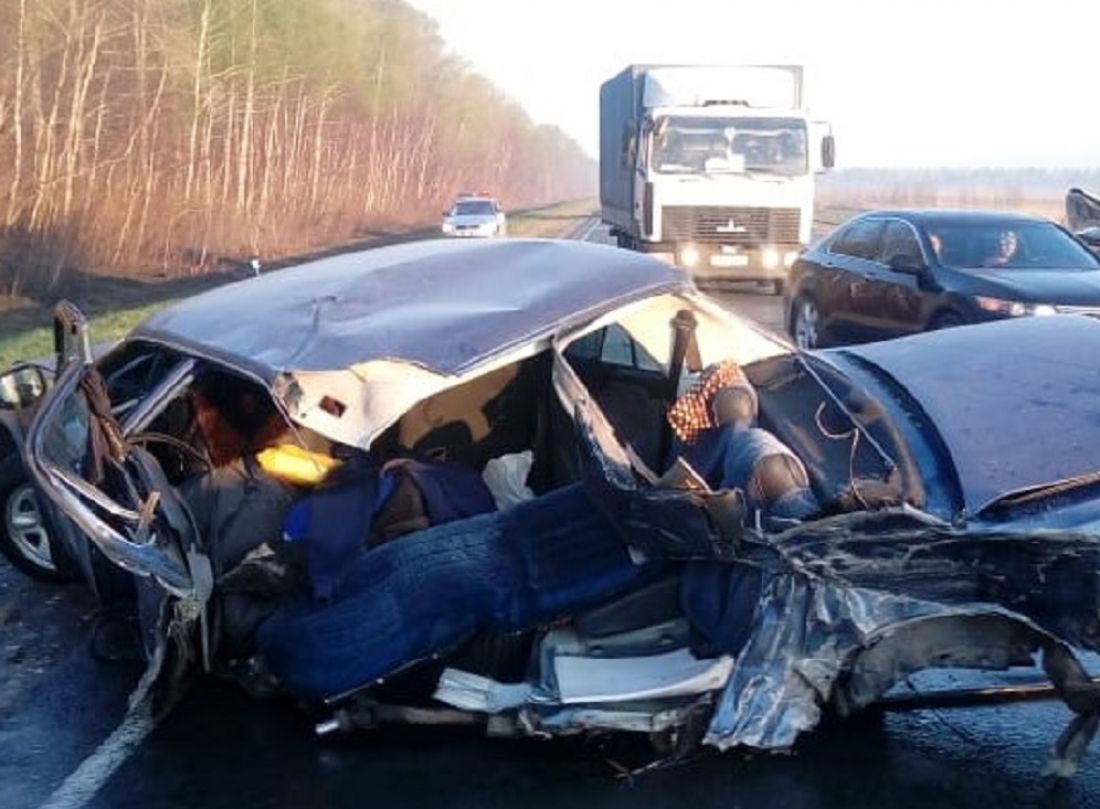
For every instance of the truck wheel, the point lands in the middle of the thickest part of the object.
(25, 536)
(625, 241)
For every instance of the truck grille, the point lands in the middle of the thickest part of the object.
(718, 225)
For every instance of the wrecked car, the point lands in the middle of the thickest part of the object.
(547, 488)
(1083, 217)
(27, 536)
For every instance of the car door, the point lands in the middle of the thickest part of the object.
(112, 493)
(671, 516)
(850, 264)
(893, 297)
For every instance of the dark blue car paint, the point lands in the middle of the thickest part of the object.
(443, 305)
(962, 381)
(940, 493)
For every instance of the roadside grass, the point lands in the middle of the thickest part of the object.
(36, 342)
(115, 305)
(554, 221)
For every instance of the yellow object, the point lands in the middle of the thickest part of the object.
(292, 464)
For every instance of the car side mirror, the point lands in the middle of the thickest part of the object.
(828, 151)
(907, 263)
(21, 387)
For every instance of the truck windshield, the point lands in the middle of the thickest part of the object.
(690, 145)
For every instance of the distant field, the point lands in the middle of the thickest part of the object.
(115, 305)
(1050, 207)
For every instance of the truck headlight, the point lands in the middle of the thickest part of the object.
(770, 257)
(690, 256)
(448, 227)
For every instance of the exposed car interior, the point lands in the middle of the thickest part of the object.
(209, 422)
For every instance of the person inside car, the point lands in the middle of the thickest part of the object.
(1007, 247)
(716, 434)
(715, 424)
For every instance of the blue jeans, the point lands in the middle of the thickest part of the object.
(430, 591)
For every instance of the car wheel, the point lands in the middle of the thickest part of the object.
(25, 538)
(778, 286)
(806, 324)
(945, 320)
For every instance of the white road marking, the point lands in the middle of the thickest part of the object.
(83, 783)
(585, 234)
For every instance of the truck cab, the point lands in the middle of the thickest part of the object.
(712, 167)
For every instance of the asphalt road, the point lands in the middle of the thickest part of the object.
(61, 743)
(754, 301)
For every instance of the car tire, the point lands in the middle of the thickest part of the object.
(945, 320)
(806, 324)
(778, 286)
(25, 537)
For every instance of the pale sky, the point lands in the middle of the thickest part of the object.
(905, 84)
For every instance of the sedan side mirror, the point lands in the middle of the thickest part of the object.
(907, 263)
(21, 387)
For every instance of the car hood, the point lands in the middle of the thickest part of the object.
(1014, 401)
(1066, 287)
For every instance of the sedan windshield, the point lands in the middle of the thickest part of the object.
(1011, 245)
(710, 145)
(477, 207)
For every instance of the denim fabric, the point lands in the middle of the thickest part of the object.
(727, 458)
(720, 601)
(429, 591)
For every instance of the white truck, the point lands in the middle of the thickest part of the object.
(712, 166)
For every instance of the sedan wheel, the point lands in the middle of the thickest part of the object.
(807, 324)
(24, 533)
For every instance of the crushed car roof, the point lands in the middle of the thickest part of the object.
(1014, 401)
(442, 305)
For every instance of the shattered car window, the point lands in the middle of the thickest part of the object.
(66, 442)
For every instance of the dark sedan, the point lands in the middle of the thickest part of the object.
(890, 273)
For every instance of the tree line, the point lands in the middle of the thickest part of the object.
(172, 134)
